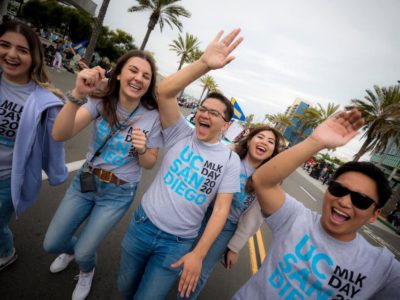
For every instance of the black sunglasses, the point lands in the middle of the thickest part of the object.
(359, 200)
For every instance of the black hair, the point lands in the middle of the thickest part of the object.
(224, 100)
(373, 172)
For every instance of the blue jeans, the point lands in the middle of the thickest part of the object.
(102, 209)
(147, 254)
(214, 255)
(6, 211)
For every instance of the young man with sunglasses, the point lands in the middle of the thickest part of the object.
(314, 256)
(197, 169)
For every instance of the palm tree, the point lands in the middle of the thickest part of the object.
(313, 116)
(381, 112)
(249, 119)
(209, 85)
(96, 31)
(184, 48)
(162, 11)
(194, 55)
(281, 121)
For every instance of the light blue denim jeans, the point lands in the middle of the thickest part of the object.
(6, 211)
(214, 255)
(147, 254)
(101, 209)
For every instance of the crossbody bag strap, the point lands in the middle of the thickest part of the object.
(111, 135)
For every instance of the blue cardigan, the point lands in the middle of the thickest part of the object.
(35, 149)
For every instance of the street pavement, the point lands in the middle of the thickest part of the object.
(29, 277)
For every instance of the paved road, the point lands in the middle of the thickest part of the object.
(29, 277)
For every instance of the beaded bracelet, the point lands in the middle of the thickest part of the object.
(79, 102)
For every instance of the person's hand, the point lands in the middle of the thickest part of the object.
(82, 65)
(217, 54)
(139, 140)
(87, 81)
(231, 258)
(338, 130)
(192, 263)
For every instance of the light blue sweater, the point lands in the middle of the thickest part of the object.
(35, 149)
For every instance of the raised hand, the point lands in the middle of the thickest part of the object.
(217, 54)
(338, 130)
(139, 140)
(87, 81)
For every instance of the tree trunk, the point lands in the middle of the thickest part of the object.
(182, 61)
(152, 23)
(96, 31)
(202, 93)
(362, 151)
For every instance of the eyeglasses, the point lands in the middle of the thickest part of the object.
(212, 112)
(358, 200)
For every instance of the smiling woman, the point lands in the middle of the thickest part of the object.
(25, 145)
(15, 56)
(125, 138)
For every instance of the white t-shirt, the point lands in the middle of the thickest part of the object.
(119, 155)
(305, 262)
(191, 175)
(241, 200)
(12, 100)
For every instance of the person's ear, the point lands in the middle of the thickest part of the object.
(225, 127)
(375, 215)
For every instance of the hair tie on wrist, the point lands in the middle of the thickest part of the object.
(145, 150)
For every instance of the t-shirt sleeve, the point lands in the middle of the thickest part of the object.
(93, 107)
(391, 288)
(155, 139)
(176, 132)
(285, 216)
(231, 178)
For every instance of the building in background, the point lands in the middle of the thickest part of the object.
(291, 134)
(389, 162)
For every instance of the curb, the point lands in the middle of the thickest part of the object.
(387, 224)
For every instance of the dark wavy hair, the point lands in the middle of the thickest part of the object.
(373, 172)
(241, 148)
(109, 98)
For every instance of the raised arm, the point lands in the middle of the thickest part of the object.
(216, 56)
(72, 117)
(334, 132)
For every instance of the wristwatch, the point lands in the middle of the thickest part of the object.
(79, 102)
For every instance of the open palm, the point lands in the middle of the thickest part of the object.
(217, 54)
(338, 130)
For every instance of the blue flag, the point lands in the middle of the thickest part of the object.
(77, 46)
(237, 111)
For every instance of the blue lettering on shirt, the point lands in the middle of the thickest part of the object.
(117, 150)
(301, 274)
(184, 176)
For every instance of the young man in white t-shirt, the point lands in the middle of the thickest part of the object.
(316, 256)
(197, 169)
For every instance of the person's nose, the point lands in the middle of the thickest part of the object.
(345, 201)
